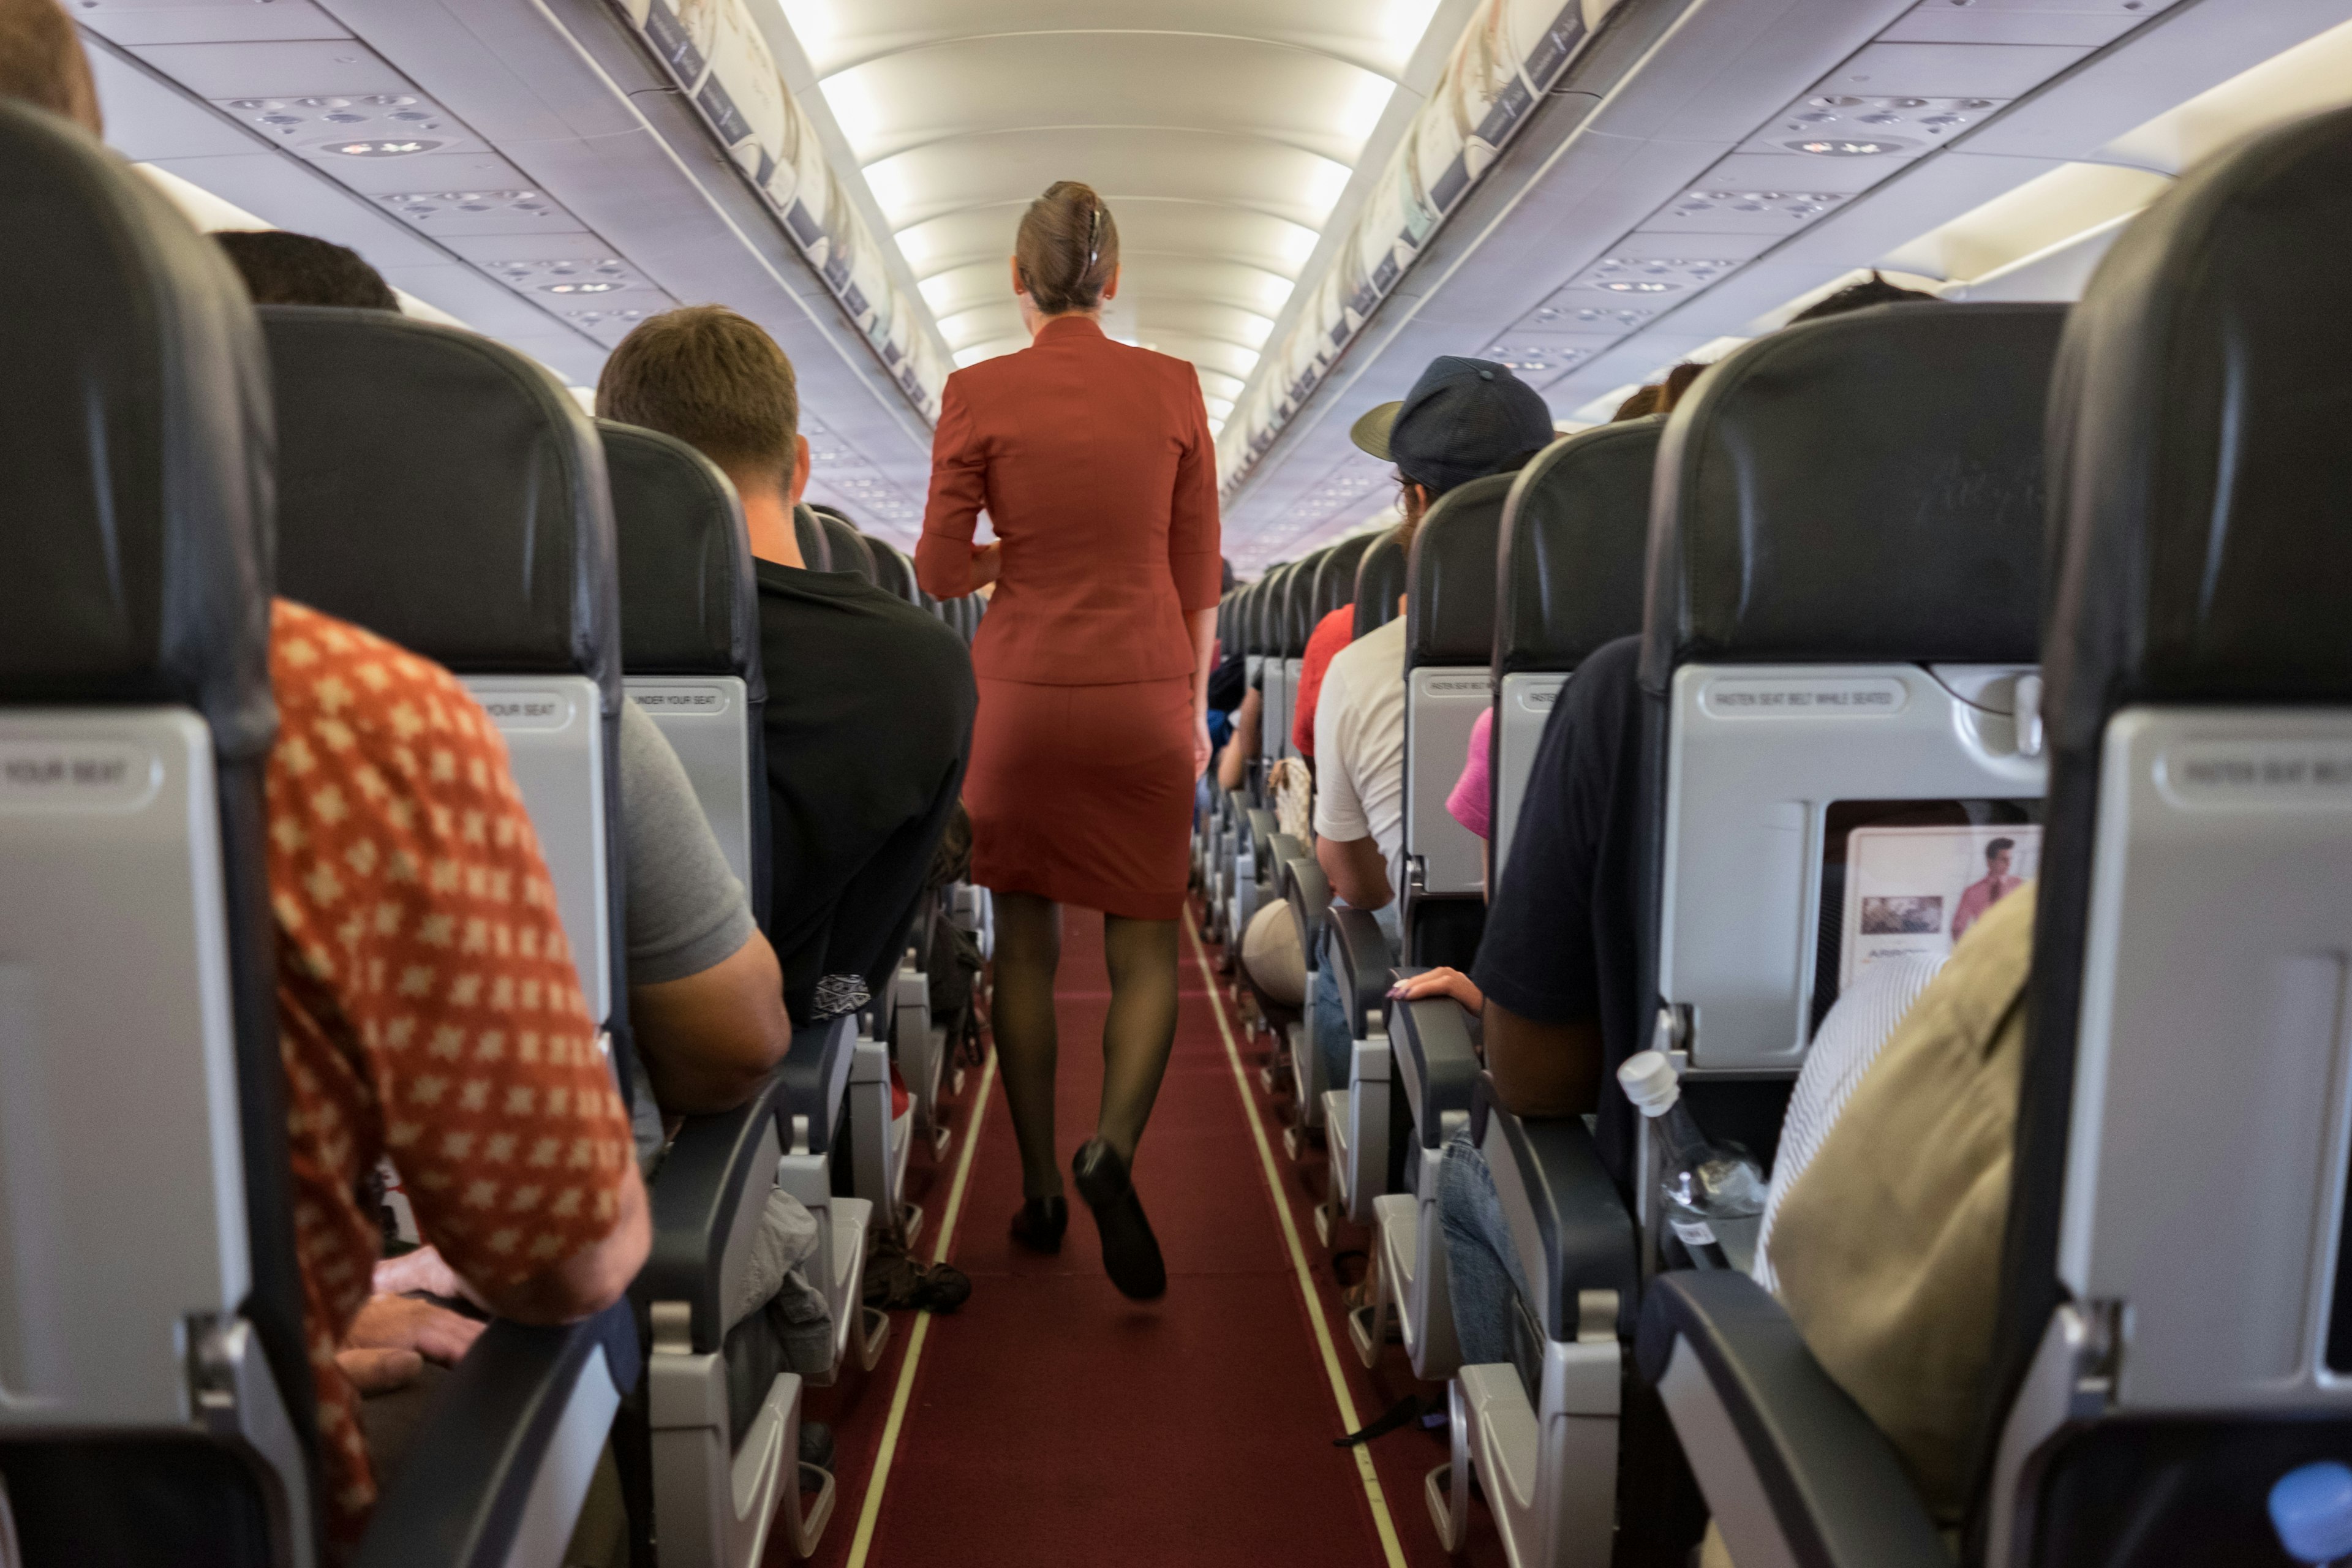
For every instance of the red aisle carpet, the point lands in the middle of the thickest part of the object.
(1051, 1421)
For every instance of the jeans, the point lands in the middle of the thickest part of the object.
(1483, 1276)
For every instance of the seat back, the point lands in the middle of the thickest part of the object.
(1335, 578)
(893, 572)
(155, 1393)
(845, 549)
(690, 632)
(1449, 638)
(1844, 568)
(495, 558)
(1569, 578)
(1379, 580)
(2178, 1312)
(816, 544)
(1297, 622)
(1275, 666)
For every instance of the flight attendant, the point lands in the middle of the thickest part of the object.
(1095, 465)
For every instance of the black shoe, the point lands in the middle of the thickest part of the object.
(1040, 1224)
(1130, 1252)
(816, 1445)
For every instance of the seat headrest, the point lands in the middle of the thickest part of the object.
(445, 493)
(1379, 579)
(1575, 538)
(844, 547)
(134, 447)
(1861, 488)
(893, 572)
(2200, 458)
(1298, 604)
(1335, 578)
(1449, 604)
(689, 604)
(808, 532)
(1258, 626)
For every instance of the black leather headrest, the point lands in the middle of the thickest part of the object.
(1298, 604)
(1335, 578)
(1864, 488)
(689, 604)
(1450, 605)
(134, 447)
(445, 493)
(2201, 446)
(893, 572)
(1255, 637)
(1379, 580)
(808, 532)
(1575, 537)
(845, 546)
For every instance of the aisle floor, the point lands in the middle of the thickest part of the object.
(1051, 1420)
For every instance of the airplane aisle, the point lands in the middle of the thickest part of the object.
(1196, 1429)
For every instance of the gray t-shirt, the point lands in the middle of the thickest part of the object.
(685, 910)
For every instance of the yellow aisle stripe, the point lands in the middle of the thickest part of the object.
(1382, 1521)
(863, 1541)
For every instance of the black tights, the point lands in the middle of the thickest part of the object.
(1138, 1034)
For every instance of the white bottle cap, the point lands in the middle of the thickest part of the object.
(1650, 1082)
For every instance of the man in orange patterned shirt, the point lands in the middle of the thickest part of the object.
(429, 1011)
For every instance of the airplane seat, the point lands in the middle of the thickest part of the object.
(690, 632)
(1842, 587)
(1449, 643)
(1335, 578)
(1297, 624)
(893, 572)
(1359, 1116)
(2167, 1375)
(1379, 582)
(845, 549)
(1575, 536)
(816, 545)
(1273, 628)
(161, 1404)
(1307, 893)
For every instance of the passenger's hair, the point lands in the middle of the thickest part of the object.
(1068, 249)
(282, 269)
(1643, 403)
(712, 379)
(1678, 382)
(1872, 291)
(41, 62)
(1996, 847)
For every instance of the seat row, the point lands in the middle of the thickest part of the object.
(175, 462)
(2062, 585)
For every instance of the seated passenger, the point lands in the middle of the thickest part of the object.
(706, 1009)
(1234, 757)
(870, 699)
(1463, 419)
(428, 1009)
(1332, 632)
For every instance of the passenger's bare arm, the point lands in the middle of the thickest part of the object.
(1542, 1069)
(710, 1040)
(1359, 872)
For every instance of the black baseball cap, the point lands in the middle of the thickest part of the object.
(1463, 419)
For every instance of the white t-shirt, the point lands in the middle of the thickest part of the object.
(1360, 746)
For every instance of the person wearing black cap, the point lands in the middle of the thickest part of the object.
(1463, 419)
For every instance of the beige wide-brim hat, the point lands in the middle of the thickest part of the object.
(1270, 953)
(1371, 432)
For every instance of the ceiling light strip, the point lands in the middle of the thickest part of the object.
(1503, 65)
(720, 61)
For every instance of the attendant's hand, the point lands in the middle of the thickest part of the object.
(394, 1336)
(1202, 751)
(987, 561)
(1441, 983)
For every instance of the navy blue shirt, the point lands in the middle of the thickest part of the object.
(1561, 939)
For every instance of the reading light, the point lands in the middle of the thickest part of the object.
(1840, 148)
(381, 149)
(580, 287)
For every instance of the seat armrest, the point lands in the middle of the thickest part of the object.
(1431, 1037)
(1308, 892)
(1263, 828)
(697, 1199)
(815, 1077)
(1574, 1215)
(1777, 1444)
(1360, 950)
(465, 1495)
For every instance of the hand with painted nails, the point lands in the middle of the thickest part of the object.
(1440, 982)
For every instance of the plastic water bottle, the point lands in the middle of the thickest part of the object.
(2311, 1508)
(1706, 1183)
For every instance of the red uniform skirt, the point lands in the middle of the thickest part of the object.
(1083, 795)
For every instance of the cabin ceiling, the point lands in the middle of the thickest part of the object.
(1224, 134)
